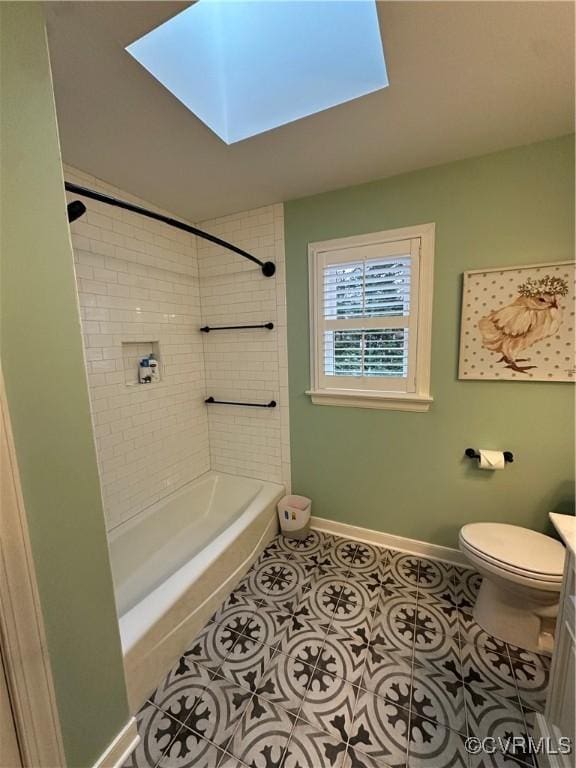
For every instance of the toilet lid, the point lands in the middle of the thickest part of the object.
(516, 548)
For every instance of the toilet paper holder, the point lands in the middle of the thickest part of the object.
(472, 454)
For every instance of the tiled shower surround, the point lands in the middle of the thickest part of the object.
(337, 654)
(246, 365)
(139, 281)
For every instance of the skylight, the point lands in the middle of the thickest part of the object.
(247, 67)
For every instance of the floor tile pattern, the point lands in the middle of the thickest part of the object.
(336, 654)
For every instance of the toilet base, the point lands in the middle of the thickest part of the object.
(515, 618)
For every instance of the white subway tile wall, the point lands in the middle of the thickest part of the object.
(141, 281)
(246, 365)
(138, 282)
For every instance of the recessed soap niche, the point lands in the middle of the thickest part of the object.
(132, 353)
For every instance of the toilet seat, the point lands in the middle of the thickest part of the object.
(516, 551)
(521, 574)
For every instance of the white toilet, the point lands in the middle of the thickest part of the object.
(522, 578)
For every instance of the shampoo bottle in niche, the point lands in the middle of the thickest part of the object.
(154, 369)
(144, 376)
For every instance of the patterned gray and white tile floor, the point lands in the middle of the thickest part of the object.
(334, 654)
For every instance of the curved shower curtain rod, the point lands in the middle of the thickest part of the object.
(76, 209)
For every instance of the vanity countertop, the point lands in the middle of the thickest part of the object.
(566, 527)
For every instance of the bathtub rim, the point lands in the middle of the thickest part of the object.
(228, 496)
(135, 623)
(117, 530)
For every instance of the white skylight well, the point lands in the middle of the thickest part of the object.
(247, 67)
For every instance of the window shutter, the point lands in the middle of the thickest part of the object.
(369, 289)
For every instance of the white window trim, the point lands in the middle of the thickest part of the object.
(419, 400)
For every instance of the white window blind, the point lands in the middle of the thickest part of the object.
(365, 315)
(371, 289)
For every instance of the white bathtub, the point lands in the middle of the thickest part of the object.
(173, 565)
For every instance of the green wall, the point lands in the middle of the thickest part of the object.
(42, 361)
(403, 473)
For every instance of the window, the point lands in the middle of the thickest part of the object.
(370, 315)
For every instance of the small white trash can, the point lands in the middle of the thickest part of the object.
(294, 516)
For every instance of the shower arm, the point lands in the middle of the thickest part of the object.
(75, 211)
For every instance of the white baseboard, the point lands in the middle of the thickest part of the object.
(381, 539)
(119, 750)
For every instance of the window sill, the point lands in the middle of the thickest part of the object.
(391, 401)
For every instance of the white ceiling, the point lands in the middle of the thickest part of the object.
(466, 78)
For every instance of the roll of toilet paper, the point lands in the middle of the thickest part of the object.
(491, 459)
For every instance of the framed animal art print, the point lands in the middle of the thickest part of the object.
(518, 323)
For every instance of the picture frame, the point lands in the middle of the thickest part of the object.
(518, 323)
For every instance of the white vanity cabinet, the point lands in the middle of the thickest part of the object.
(559, 719)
